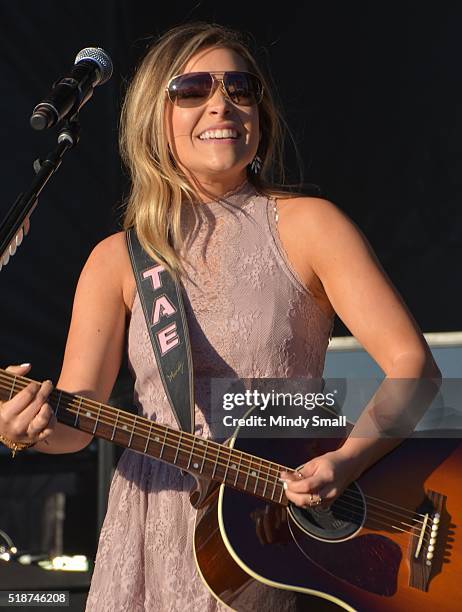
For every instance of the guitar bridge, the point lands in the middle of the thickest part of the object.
(426, 546)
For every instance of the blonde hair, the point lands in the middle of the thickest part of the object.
(158, 187)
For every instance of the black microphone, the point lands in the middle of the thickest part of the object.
(92, 67)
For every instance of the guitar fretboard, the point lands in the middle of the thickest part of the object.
(196, 455)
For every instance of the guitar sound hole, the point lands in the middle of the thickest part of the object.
(339, 521)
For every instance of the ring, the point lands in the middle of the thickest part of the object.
(299, 474)
(313, 501)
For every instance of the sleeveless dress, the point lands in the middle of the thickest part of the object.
(249, 316)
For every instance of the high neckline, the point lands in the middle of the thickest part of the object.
(233, 200)
(228, 194)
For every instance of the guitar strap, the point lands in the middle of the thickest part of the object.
(162, 302)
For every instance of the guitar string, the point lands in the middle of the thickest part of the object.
(245, 472)
(128, 418)
(209, 443)
(426, 538)
(269, 467)
(276, 483)
(372, 516)
(339, 502)
(358, 495)
(180, 438)
(353, 500)
(347, 516)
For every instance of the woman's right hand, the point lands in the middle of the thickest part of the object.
(27, 417)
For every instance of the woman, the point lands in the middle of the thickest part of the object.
(264, 272)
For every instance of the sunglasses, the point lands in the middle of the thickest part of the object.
(195, 88)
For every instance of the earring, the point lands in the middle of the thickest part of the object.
(256, 164)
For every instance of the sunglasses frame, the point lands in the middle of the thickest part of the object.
(216, 81)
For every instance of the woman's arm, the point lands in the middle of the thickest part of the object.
(364, 298)
(96, 337)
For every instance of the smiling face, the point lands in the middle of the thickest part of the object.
(217, 164)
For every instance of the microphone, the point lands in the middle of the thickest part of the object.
(92, 67)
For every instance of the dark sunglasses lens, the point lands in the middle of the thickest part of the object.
(190, 90)
(243, 88)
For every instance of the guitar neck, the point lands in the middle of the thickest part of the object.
(198, 456)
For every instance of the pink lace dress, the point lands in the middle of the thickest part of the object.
(249, 316)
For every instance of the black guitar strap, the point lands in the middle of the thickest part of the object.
(163, 308)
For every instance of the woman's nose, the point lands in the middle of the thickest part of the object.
(219, 100)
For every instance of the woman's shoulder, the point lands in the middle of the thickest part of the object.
(317, 230)
(108, 255)
(109, 262)
(304, 203)
(310, 213)
(112, 245)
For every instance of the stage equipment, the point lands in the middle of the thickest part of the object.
(92, 67)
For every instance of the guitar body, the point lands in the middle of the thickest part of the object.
(367, 565)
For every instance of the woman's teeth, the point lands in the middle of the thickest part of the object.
(216, 134)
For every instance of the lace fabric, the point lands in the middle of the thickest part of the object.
(249, 316)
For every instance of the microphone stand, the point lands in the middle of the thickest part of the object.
(16, 222)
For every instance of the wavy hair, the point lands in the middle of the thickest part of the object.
(158, 187)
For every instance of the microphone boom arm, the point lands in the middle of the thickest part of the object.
(15, 223)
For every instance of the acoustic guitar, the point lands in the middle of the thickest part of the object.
(390, 542)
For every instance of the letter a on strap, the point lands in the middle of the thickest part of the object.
(163, 308)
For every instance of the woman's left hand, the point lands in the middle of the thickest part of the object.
(320, 480)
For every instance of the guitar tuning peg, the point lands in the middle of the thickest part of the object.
(14, 244)
(5, 258)
(19, 237)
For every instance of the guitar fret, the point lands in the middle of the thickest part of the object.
(115, 425)
(148, 439)
(238, 469)
(282, 493)
(266, 482)
(205, 455)
(12, 388)
(178, 447)
(76, 420)
(216, 463)
(133, 429)
(274, 489)
(247, 476)
(163, 444)
(97, 419)
(257, 478)
(190, 454)
(58, 402)
(227, 467)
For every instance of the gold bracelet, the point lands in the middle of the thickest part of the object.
(15, 446)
